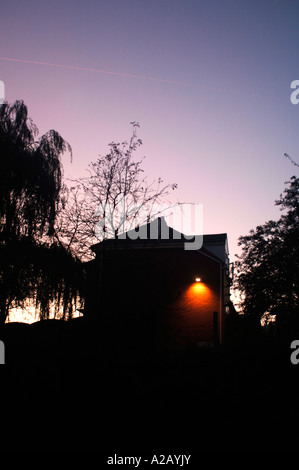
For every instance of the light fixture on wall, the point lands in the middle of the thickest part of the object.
(197, 279)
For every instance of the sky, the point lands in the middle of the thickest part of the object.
(208, 81)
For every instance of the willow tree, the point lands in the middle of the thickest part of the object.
(30, 191)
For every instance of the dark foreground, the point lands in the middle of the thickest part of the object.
(60, 390)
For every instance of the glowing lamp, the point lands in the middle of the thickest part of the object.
(197, 279)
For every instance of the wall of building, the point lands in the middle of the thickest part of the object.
(191, 317)
(149, 297)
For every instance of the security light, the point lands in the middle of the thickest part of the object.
(197, 279)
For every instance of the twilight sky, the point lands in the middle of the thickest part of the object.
(208, 81)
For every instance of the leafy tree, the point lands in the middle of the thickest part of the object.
(31, 175)
(268, 267)
(114, 198)
(30, 187)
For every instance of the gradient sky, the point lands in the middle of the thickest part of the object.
(208, 81)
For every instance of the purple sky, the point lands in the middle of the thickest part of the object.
(213, 104)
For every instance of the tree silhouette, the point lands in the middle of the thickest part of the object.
(291, 159)
(114, 198)
(31, 175)
(268, 267)
(30, 187)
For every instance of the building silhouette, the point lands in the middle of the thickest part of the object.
(146, 292)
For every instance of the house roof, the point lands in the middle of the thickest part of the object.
(157, 234)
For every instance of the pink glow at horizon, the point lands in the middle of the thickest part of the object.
(208, 81)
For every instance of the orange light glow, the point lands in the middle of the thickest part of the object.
(198, 296)
(193, 312)
(196, 289)
(194, 309)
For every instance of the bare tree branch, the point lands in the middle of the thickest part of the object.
(291, 160)
(114, 198)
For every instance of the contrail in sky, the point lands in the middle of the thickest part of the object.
(142, 77)
(89, 69)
